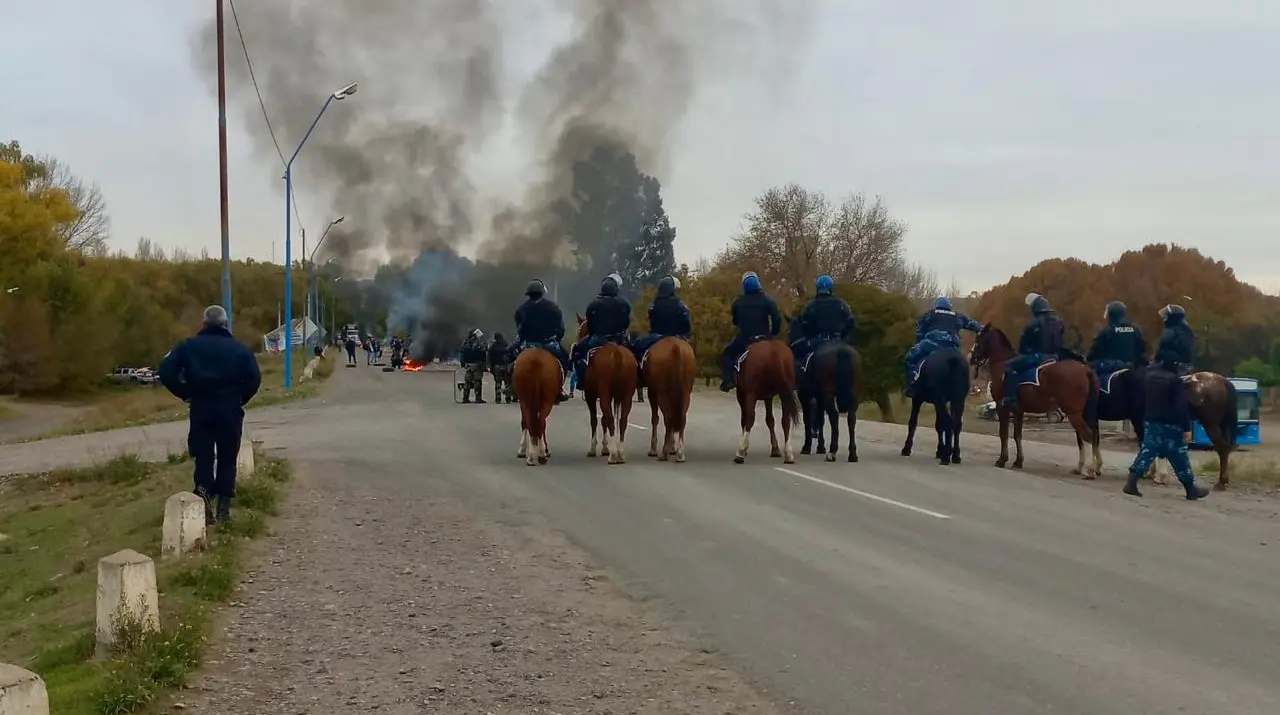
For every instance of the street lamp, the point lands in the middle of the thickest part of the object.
(288, 234)
(333, 310)
(313, 290)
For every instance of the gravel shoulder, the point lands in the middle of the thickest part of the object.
(402, 603)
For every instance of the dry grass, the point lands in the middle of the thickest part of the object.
(7, 412)
(1252, 469)
(131, 406)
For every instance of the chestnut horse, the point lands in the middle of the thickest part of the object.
(767, 370)
(536, 379)
(669, 370)
(610, 380)
(1067, 384)
(1214, 405)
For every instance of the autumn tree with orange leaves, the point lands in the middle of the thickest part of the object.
(1228, 316)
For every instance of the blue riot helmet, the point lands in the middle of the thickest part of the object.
(1116, 312)
(942, 303)
(610, 284)
(536, 288)
(1039, 304)
(750, 282)
(825, 285)
(668, 286)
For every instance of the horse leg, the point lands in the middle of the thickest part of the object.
(595, 425)
(609, 418)
(807, 447)
(747, 404)
(942, 425)
(815, 409)
(1018, 418)
(833, 418)
(623, 418)
(911, 426)
(1082, 430)
(653, 431)
(774, 450)
(1002, 411)
(957, 426)
(1224, 476)
(851, 421)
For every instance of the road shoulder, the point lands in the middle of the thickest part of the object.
(421, 604)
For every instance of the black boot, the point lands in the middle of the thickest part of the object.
(208, 504)
(466, 397)
(1131, 486)
(224, 509)
(1195, 491)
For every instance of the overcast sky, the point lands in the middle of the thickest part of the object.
(1003, 131)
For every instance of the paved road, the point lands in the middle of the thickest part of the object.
(889, 586)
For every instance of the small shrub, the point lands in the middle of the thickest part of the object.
(213, 578)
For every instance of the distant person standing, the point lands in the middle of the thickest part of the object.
(351, 350)
(217, 376)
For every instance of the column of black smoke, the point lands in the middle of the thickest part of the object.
(394, 159)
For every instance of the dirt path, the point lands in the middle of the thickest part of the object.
(396, 602)
(34, 419)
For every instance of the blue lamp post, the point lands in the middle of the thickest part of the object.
(288, 235)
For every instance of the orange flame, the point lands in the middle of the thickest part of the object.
(411, 365)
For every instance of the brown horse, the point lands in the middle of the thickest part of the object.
(669, 370)
(1067, 384)
(610, 380)
(536, 378)
(767, 370)
(1214, 405)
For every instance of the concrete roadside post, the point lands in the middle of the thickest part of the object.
(244, 460)
(126, 590)
(184, 527)
(22, 692)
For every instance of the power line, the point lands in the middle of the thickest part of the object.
(253, 78)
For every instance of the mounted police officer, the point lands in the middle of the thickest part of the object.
(668, 317)
(608, 318)
(755, 315)
(540, 323)
(937, 327)
(472, 355)
(1041, 340)
(500, 367)
(1177, 338)
(217, 375)
(1167, 416)
(827, 318)
(1119, 345)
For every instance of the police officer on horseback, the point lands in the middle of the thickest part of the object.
(540, 323)
(755, 315)
(1177, 339)
(608, 318)
(937, 327)
(1041, 340)
(1119, 345)
(668, 317)
(827, 318)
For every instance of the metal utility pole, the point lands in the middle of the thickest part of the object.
(222, 168)
(306, 309)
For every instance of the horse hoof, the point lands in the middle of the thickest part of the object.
(789, 460)
(1017, 464)
(663, 458)
(853, 458)
(679, 459)
(955, 459)
(906, 451)
(543, 460)
(822, 449)
(739, 460)
(1219, 487)
(830, 458)
(591, 453)
(944, 462)
(1001, 463)
(775, 453)
(806, 450)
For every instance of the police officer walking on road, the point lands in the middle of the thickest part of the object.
(217, 376)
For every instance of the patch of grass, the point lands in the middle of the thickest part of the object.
(134, 405)
(1252, 469)
(59, 524)
(8, 413)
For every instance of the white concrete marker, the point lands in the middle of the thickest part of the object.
(22, 692)
(244, 460)
(126, 586)
(864, 495)
(184, 528)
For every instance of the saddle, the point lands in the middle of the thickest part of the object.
(1030, 375)
(737, 364)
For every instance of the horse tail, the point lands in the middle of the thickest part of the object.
(787, 397)
(844, 380)
(679, 398)
(958, 374)
(1230, 416)
(1091, 401)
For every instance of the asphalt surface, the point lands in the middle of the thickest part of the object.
(889, 586)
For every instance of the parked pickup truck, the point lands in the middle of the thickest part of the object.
(132, 375)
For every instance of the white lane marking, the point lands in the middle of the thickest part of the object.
(633, 424)
(865, 495)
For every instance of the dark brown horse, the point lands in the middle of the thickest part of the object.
(536, 378)
(1066, 384)
(1214, 405)
(609, 385)
(669, 370)
(767, 370)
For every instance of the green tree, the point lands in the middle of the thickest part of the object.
(886, 330)
(644, 259)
